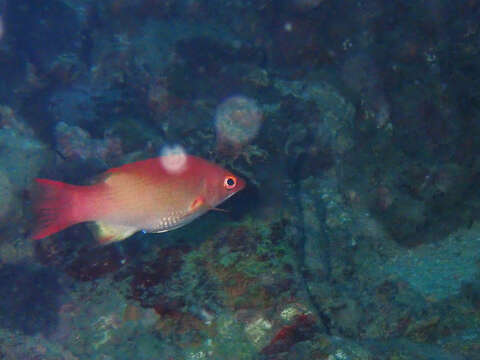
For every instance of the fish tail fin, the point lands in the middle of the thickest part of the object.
(53, 206)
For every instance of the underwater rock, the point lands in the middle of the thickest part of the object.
(75, 143)
(300, 329)
(84, 104)
(298, 42)
(7, 198)
(305, 5)
(438, 269)
(404, 218)
(41, 30)
(95, 264)
(22, 157)
(361, 74)
(73, 106)
(422, 202)
(9, 119)
(326, 218)
(205, 55)
(330, 348)
(472, 292)
(32, 302)
(330, 127)
(149, 279)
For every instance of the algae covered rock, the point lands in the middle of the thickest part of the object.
(330, 127)
(6, 197)
(21, 157)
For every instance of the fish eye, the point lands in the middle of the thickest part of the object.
(230, 182)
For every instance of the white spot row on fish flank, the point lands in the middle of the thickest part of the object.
(171, 220)
(168, 221)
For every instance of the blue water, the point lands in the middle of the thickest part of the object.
(354, 124)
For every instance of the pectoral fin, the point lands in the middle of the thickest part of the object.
(108, 233)
(196, 205)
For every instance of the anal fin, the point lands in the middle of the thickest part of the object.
(107, 233)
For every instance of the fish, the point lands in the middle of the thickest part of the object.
(154, 195)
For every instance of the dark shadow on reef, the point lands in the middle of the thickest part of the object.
(29, 300)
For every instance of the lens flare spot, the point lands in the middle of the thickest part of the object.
(173, 159)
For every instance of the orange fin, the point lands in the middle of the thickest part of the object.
(199, 203)
(196, 205)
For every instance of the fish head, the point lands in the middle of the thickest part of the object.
(222, 184)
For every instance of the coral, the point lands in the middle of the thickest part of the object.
(257, 330)
(103, 328)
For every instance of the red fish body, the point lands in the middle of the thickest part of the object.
(147, 195)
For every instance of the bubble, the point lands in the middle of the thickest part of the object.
(173, 159)
(237, 120)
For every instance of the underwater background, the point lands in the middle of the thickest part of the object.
(356, 125)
